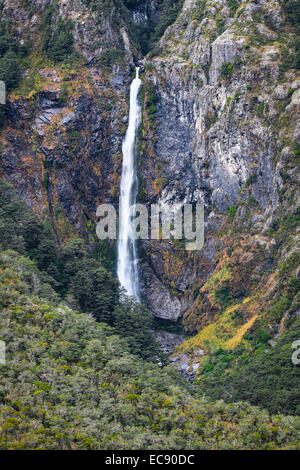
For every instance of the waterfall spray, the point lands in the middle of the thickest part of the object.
(127, 253)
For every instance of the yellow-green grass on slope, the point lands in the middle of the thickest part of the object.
(55, 74)
(235, 341)
(218, 277)
(223, 333)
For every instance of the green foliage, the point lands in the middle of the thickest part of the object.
(210, 119)
(226, 69)
(295, 284)
(269, 379)
(292, 11)
(133, 321)
(45, 180)
(223, 295)
(46, 25)
(143, 35)
(22, 231)
(233, 6)
(72, 383)
(75, 275)
(151, 101)
(56, 37)
(94, 289)
(280, 307)
(291, 221)
(297, 53)
(111, 56)
(7, 41)
(148, 33)
(260, 109)
(232, 211)
(220, 21)
(35, 281)
(251, 180)
(263, 336)
(2, 115)
(11, 55)
(133, 3)
(217, 363)
(168, 11)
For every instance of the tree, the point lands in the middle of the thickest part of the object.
(61, 44)
(57, 42)
(10, 71)
(134, 321)
(7, 41)
(95, 290)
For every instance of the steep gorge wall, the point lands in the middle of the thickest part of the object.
(220, 103)
(226, 134)
(61, 146)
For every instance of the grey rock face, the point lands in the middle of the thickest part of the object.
(223, 50)
(185, 365)
(213, 133)
(73, 145)
(159, 299)
(168, 341)
(144, 11)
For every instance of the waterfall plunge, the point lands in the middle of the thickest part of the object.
(127, 256)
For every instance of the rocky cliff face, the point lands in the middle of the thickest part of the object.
(220, 103)
(225, 133)
(61, 146)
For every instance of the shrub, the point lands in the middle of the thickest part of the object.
(76, 276)
(94, 290)
(292, 11)
(135, 322)
(72, 383)
(233, 6)
(232, 211)
(10, 70)
(297, 54)
(148, 33)
(57, 41)
(226, 68)
(268, 378)
(223, 295)
(111, 56)
(11, 55)
(251, 180)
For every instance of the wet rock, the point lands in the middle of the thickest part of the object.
(168, 341)
(186, 366)
(159, 299)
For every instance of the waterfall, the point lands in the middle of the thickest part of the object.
(127, 253)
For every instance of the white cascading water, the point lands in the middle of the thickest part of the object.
(127, 253)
